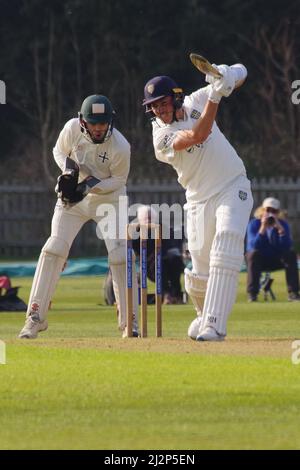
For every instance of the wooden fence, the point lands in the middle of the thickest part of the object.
(25, 213)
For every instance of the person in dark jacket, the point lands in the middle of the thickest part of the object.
(270, 247)
(172, 257)
(172, 260)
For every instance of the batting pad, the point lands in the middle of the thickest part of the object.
(225, 263)
(117, 254)
(227, 251)
(120, 285)
(195, 287)
(49, 267)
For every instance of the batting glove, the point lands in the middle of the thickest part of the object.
(224, 85)
(210, 78)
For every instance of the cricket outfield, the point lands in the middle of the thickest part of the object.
(80, 386)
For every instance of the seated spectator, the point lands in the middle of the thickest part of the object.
(9, 300)
(269, 247)
(172, 258)
(172, 261)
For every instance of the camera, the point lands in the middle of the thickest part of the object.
(270, 220)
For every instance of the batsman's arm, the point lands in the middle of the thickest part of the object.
(200, 131)
(221, 87)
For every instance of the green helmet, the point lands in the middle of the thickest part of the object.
(96, 109)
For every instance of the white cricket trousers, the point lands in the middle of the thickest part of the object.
(66, 223)
(216, 231)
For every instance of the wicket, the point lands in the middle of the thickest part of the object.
(143, 278)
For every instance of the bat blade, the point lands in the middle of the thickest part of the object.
(204, 65)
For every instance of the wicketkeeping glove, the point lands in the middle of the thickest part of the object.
(66, 189)
(86, 185)
(67, 183)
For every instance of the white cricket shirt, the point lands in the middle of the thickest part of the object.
(109, 162)
(203, 169)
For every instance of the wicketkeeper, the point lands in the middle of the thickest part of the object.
(94, 158)
(218, 193)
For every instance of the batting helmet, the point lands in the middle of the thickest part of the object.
(159, 87)
(96, 109)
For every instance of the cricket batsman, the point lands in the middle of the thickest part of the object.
(218, 193)
(94, 158)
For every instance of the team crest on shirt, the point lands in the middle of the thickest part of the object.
(243, 195)
(195, 114)
(103, 156)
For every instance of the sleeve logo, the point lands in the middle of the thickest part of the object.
(243, 195)
(195, 114)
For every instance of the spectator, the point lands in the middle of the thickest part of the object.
(9, 300)
(269, 247)
(172, 259)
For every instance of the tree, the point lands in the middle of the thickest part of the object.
(55, 54)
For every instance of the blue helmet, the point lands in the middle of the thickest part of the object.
(159, 87)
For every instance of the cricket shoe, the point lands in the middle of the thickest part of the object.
(135, 333)
(194, 327)
(210, 334)
(32, 327)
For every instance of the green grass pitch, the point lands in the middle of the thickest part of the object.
(80, 386)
